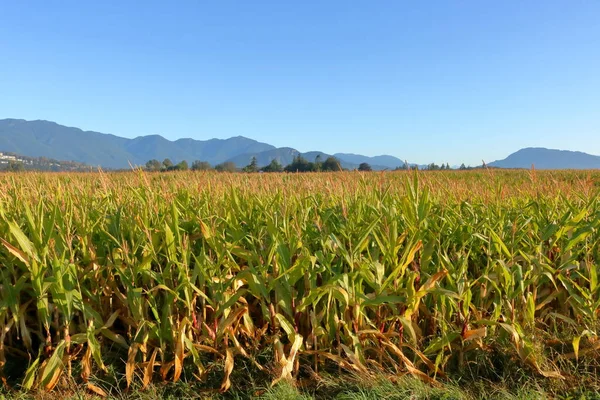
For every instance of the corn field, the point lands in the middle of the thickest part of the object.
(420, 273)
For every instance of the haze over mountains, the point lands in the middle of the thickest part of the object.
(51, 140)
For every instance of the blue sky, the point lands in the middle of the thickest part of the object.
(445, 81)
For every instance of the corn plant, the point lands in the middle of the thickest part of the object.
(403, 272)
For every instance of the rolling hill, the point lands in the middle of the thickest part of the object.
(49, 139)
(542, 158)
(383, 161)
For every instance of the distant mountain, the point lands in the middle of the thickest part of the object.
(51, 140)
(385, 161)
(542, 158)
(214, 151)
(48, 139)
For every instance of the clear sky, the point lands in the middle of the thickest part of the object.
(444, 81)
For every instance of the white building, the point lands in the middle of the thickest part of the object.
(6, 157)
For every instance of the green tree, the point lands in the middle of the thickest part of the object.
(252, 167)
(332, 164)
(153, 165)
(462, 166)
(365, 167)
(274, 166)
(201, 166)
(318, 165)
(15, 166)
(227, 166)
(404, 166)
(182, 166)
(167, 163)
(300, 164)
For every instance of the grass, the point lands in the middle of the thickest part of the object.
(346, 388)
(222, 284)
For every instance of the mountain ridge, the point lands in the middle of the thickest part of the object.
(544, 158)
(384, 160)
(43, 138)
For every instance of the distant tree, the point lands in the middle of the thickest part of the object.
(318, 165)
(332, 164)
(167, 163)
(462, 167)
(15, 166)
(300, 164)
(404, 166)
(274, 166)
(365, 167)
(201, 166)
(252, 167)
(227, 166)
(182, 166)
(153, 165)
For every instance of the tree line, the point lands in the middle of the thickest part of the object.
(167, 165)
(299, 164)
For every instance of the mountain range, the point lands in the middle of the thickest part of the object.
(50, 140)
(542, 158)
